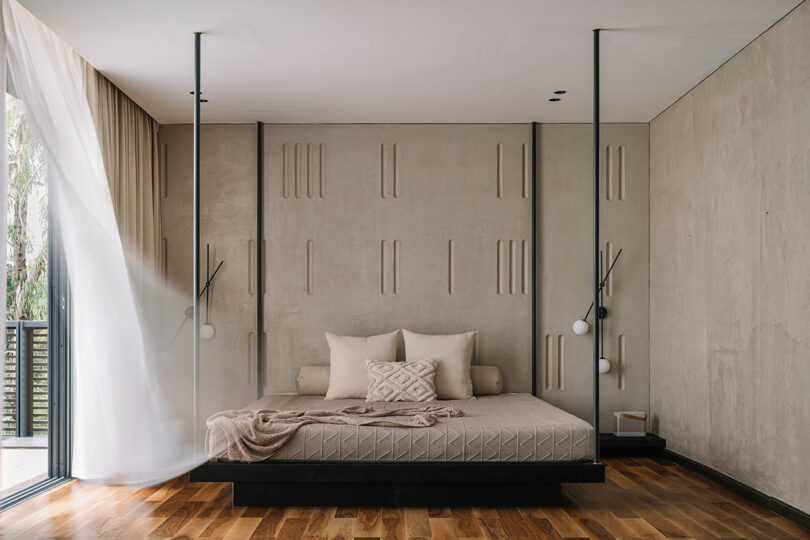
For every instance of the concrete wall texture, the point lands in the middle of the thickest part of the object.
(729, 259)
(565, 267)
(374, 227)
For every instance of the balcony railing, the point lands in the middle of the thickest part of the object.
(25, 388)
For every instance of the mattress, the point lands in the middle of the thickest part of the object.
(503, 428)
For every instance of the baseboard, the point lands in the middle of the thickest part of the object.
(771, 503)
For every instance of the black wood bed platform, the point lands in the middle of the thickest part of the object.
(340, 483)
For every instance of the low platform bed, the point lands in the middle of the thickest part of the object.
(512, 449)
(330, 483)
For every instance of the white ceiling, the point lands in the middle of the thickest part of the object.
(314, 61)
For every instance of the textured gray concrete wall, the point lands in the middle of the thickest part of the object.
(370, 228)
(730, 286)
(565, 267)
(228, 224)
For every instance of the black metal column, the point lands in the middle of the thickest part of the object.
(596, 305)
(534, 258)
(196, 218)
(259, 257)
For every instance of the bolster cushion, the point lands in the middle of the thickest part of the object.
(314, 380)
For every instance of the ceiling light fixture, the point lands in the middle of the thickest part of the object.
(554, 99)
(559, 92)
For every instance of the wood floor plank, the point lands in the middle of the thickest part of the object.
(243, 528)
(564, 524)
(417, 523)
(341, 528)
(175, 522)
(642, 529)
(319, 522)
(254, 511)
(369, 522)
(465, 523)
(270, 524)
(513, 522)
(293, 528)
(443, 528)
(192, 529)
(641, 498)
(493, 528)
(346, 513)
(393, 528)
(594, 529)
(539, 523)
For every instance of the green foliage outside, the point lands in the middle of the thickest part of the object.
(27, 250)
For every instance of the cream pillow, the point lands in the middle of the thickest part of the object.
(401, 381)
(347, 362)
(453, 355)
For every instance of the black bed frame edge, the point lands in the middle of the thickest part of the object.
(343, 483)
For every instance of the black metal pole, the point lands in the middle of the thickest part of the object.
(207, 280)
(596, 266)
(534, 258)
(196, 218)
(601, 303)
(259, 256)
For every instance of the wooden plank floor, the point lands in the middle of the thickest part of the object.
(642, 498)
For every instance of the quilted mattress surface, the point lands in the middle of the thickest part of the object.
(507, 427)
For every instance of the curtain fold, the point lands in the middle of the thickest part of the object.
(132, 399)
(128, 139)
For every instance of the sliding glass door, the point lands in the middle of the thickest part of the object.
(34, 452)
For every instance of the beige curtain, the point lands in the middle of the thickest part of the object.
(128, 139)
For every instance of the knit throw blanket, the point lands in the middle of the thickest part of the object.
(249, 435)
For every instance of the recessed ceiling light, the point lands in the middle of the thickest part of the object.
(558, 92)
(554, 99)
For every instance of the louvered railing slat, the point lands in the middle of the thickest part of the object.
(26, 364)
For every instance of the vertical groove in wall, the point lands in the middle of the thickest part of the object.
(251, 359)
(512, 266)
(561, 362)
(499, 272)
(621, 362)
(298, 170)
(547, 356)
(608, 260)
(310, 264)
(383, 166)
(525, 267)
(382, 267)
(309, 171)
(396, 266)
(499, 170)
(396, 171)
(622, 173)
(526, 170)
(251, 264)
(608, 172)
(285, 171)
(164, 246)
(162, 175)
(451, 267)
(321, 174)
(260, 280)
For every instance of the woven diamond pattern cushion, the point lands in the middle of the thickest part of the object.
(401, 381)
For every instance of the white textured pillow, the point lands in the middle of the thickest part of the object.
(453, 354)
(347, 362)
(401, 381)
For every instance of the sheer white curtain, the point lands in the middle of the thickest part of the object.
(133, 422)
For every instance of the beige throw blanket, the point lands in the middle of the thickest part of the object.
(249, 435)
